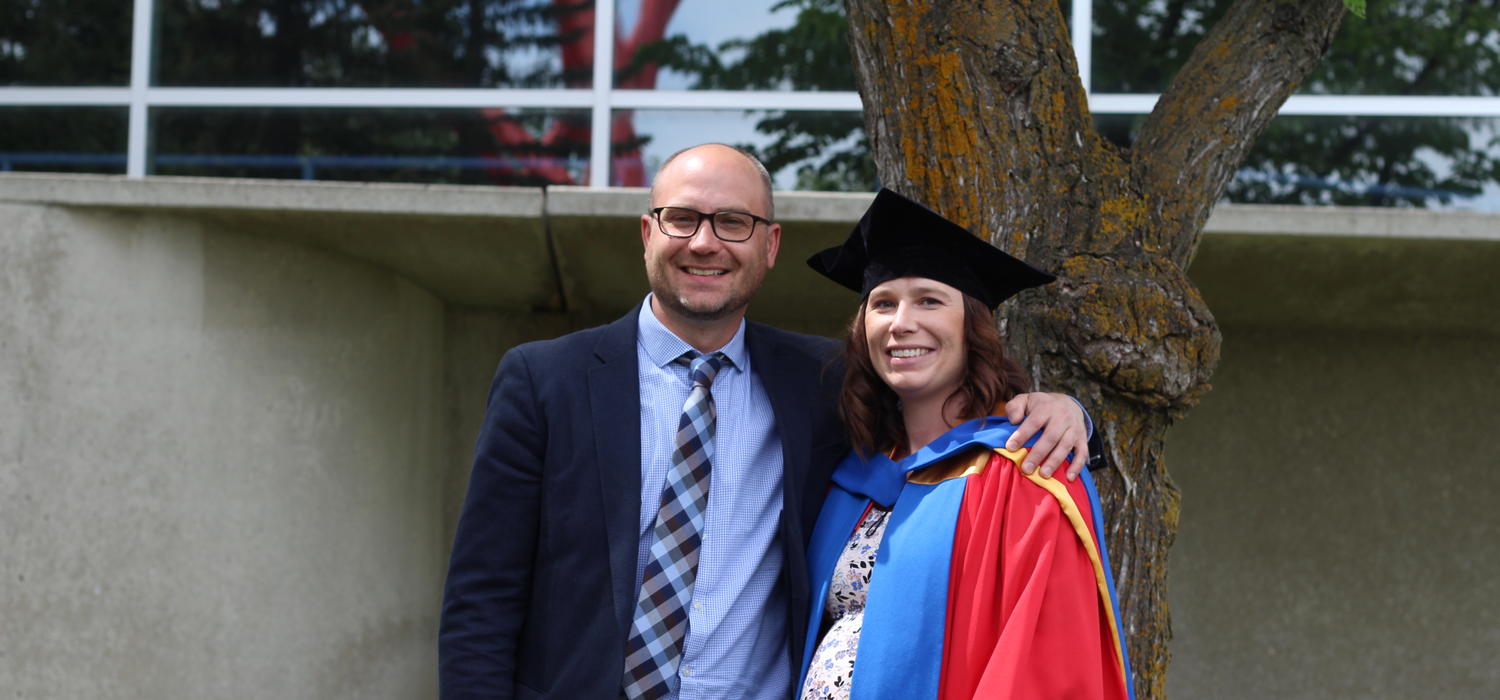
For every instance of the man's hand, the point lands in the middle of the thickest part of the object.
(1062, 419)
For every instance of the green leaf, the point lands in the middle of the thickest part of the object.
(1357, 7)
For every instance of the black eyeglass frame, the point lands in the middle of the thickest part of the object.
(754, 219)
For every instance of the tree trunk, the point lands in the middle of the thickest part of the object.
(976, 109)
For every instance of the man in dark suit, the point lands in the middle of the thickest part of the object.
(566, 500)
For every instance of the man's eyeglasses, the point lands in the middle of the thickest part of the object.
(732, 226)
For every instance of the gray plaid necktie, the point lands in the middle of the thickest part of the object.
(653, 650)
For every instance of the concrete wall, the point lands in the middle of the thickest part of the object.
(1336, 536)
(215, 464)
(1338, 529)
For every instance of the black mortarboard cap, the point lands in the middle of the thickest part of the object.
(900, 238)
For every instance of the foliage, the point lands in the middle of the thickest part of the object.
(1419, 47)
(64, 42)
(311, 43)
(69, 43)
(352, 43)
(346, 43)
(828, 150)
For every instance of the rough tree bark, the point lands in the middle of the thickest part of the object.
(976, 108)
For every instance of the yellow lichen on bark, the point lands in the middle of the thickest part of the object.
(1120, 217)
(1100, 313)
(1142, 328)
(936, 134)
(907, 27)
(1219, 51)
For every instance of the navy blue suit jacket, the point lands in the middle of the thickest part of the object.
(540, 587)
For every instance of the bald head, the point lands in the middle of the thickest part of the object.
(717, 161)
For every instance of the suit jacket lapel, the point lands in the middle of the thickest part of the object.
(615, 406)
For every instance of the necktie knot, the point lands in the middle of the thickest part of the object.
(703, 368)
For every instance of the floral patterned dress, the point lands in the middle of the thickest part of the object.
(832, 666)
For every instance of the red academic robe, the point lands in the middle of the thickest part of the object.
(1026, 614)
(989, 583)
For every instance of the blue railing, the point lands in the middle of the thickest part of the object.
(309, 166)
(1337, 185)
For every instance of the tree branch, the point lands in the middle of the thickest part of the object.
(1204, 124)
(950, 85)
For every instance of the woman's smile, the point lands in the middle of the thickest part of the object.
(915, 330)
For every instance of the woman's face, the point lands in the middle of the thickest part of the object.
(915, 330)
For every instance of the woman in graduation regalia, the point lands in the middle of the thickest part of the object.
(940, 570)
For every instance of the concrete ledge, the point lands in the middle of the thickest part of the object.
(1347, 282)
(614, 202)
(626, 202)
(1363, 222)
(477, 246)
(194, 193)
(577, 249)
(162, 192)
(843, 208)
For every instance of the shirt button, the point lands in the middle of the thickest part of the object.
(687, 670)
(697, 605)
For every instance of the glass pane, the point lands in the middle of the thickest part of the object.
(489, 147)
(64, 42)
(748, 45)
(803, 150)
(63, 139)
(1425, 162)
(1417, 47)
(405, 43)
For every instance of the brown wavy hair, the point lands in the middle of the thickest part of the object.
(872, 411)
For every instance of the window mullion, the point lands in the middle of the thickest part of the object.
(604, 65)
(140, 79)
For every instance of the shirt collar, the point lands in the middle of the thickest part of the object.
(663, 346)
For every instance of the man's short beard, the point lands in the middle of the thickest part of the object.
(679, 306)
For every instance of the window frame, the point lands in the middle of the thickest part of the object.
(602, 98)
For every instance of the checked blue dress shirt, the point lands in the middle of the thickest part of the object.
(736, 642)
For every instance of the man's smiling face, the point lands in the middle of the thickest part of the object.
(703, 279)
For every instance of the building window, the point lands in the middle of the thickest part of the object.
(1402, 112)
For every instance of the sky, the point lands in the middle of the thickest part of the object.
(707, 22)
